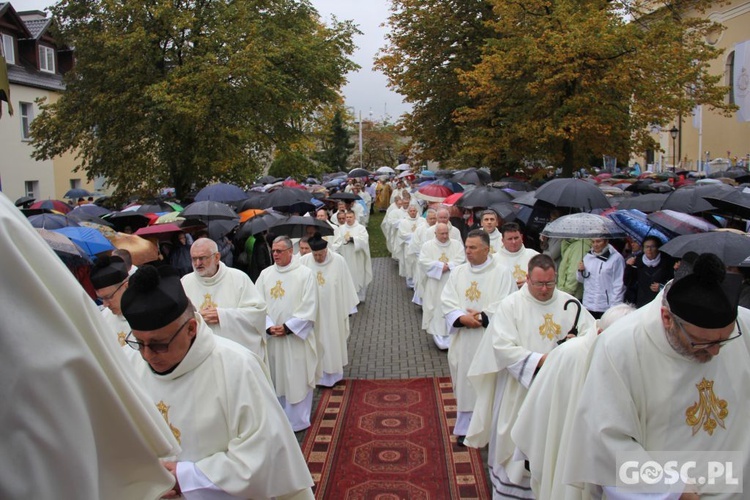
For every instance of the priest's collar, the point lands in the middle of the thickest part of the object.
(483, 265)
(294, 264)
(212, 280)
(508, 252)
(527, 294)
(446, 244)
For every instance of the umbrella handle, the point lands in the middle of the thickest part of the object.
(573, 329)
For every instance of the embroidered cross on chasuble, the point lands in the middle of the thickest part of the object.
(708, 412)
(518, 273)
(321, 279)
(549, 328)
(443, 258)
(121, 336)
(208, 302)
(472, 293)
(164, 410)
(277, 291)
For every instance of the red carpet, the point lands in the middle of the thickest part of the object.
(391, 439)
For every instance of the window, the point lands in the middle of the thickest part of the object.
(75, 183)
(46, 59)
(7, 48)
(26, 117)
(32, 188)
(729, 76)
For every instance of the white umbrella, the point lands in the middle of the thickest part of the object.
(403, 166)
(583, 225)
(385, 170)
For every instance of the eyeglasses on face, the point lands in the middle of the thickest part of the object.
(107, 298)
(542, 284)
(201, 258)
(276, 250)
(704, 345)
(157, 347)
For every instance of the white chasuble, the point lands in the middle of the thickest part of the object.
(356, 254)
(219, 404)
(291, 298)
(517, 262)
(240, 306)
(117, 325)
(72, 423)
(337, 299)
(641, 396)
(406, 229)
(414, 248)
(471, 287)
(432, 259)
(521, 331)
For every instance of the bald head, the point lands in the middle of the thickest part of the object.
(443, 215)
(442, 233)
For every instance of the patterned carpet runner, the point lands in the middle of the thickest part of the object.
(391, 439)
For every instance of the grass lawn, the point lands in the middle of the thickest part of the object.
(377, 239)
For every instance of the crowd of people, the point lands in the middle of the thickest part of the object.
(219, 351)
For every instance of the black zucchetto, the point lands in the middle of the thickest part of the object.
(154, 298)
(108, 271)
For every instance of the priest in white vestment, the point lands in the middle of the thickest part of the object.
(72, 424)
(385, 225)
(542, 430)
(226, 297)
(214, 394)
(437, 259)
(337, 300)
(674, 380)
(513, 253)
(467, 304)
(291, 296)
(352, 242)
(406, 229)
(110, 279)
(490, 221)
(414, 248)
(391, 221)
(526, 326)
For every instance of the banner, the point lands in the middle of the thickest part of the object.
(741, 81)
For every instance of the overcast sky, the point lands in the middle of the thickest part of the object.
(366, 91)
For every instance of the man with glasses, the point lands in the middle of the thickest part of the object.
(467, 299)
(291, 296)
(526, 326)
(110, 279)
(215, 396)
(673, 377)
(227, 299)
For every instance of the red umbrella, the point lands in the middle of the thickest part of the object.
(434, 192)
(159, 230)
(452, 199)
(57, 205)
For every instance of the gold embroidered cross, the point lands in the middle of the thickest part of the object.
(164, 410)
(277, 292)
(443, 258)
(708, 412)
(518, 273)
(549, 328)
(121, 336)
(208, 302)
(321, 279)
(473, 293)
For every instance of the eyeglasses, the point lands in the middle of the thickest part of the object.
(705, 345)
(280, 251)
(542, 284)
(160, 347)
(201, 258)
(107, 298)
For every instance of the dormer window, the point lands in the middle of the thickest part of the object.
(7, 47)
(46, 59)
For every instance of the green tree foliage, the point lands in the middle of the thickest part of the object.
(429, 42)
(337, 146)
(184, 92)
(294, 163)
(564, 80)
(382, 144)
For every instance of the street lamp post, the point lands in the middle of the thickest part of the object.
(673, 132)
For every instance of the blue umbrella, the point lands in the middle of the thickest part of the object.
(51, 221)
(224, 193)
(636, 225)
(89, 239)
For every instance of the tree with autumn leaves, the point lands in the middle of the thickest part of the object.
(183, 93)
(562, 81)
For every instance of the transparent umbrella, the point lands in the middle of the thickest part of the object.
(583, 225)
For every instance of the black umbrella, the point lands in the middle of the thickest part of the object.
(647, 203)
(269, 179)
(208, 210)
(225, 193)
(24, 201)
(76, 193)
(256, 199)
(505, 210)
(296, 226)
(733, 249)
(358, 172)
(472, 176)
(123, 220)
(572, 193)
(344, 196)
(288, 199)
(690, 199)
(258, 224)
(735, 202)
(154, 207)
(483, 196)
(86, 217)
(90, 210)
(52, 221)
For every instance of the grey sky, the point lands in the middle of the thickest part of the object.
(367, 90)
